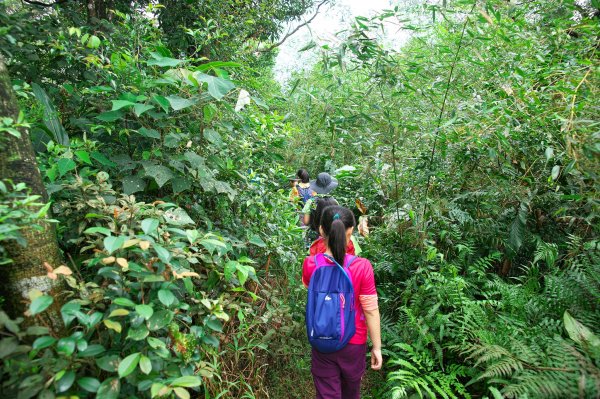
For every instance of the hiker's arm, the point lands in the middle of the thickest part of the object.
(373, 324)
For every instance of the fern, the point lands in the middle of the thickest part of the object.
(413, 373)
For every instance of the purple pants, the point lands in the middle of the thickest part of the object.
(337, 375)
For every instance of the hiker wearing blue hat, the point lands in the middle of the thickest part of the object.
(324, 183)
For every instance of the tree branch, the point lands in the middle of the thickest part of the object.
(279, 43)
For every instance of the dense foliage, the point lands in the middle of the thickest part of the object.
(475, 148)
(166, 196)
(165, 147)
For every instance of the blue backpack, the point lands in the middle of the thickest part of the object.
(304, 193)
(330, 309)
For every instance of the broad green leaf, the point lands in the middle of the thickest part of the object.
(178, 217)
(109, 389)
(256, 240)
(188, 381)
(210, 340)
(113, 325)
(92, 350)
(69, 312)
(43, 342)
(138, 333)
(118, 313)
(118, 104)
(145, 311)
(124, 302)
(102, 159)
(217, 64)
(149, 226)
(40, 304)
(166, 297)
(179, 103)
(65, 165)
(161, 61)
(88, 384)
(156, 343)
(580, 333)
(192, 235)
(161, 174)
(145, 365)
(84, 156)
(139, 109)
(128, 364)
(110, 116)
(180, 184)
(93, 42)
(162, 253)
(108, 363)
(213, 137)
(66, 346)
(100, 230)
(214, 324)
(181, 393)
(66, 381)
(160, 319)
(150, 133)
(112, 243)
(163, 102)
(158, 389)
(217, 87)
(133, 184)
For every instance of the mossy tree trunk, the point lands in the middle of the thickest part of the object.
(18, 163)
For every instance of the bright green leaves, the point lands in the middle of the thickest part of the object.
(179, 103)
(128, 364)
(213, 137)
(139, 109)
(580, 333)
(145, 311)
(162, 61)
(149, 226)
(188, 381)
(161, 174)
(112, 243)
(162, 102)
(217, 87)
(65, 165)
(65, 381)
(40, 304)
(109, 389)
(145, 365)
(118, 104)
(43, 342)
(166, 297)
(89, 384)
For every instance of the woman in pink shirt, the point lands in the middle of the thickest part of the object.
(337, 375)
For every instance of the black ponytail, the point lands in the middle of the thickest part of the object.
(317, 212)
(335, 221)
(303, 175)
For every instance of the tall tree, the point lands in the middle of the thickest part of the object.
(18, 163)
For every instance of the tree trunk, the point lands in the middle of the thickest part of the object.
(18, 163)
